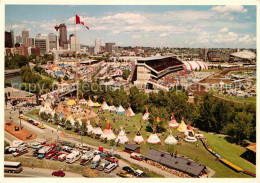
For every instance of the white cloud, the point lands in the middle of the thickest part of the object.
(136, 36)
(225, 29)
(229, 8)
(164, 35)
(247, 39)
(188, 15)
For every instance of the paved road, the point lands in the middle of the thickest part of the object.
(38, 172)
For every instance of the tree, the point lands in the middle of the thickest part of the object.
(241, 127)
(125, 74)
(76, 126)
(83, 127)
(59, 79)
(66, 78)
(68, 124)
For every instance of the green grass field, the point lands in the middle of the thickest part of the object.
(229, 151)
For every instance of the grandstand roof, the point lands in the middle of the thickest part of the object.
(245, 54)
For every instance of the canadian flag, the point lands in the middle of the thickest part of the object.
(79, 22)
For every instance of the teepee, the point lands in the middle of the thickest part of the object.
(89, 127)
(71, 102)
(112, 108)
(120, 110)
(122, 138)
(182, 127)
(108, 133)
(129, 112)
(46, 107)
(146, 115)
(104, 106)
(173, 123)
(90, 103)
(97, 130)
(138, 138)
(83, 101)
(170, 140)
(153, 139)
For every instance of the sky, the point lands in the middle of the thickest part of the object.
(131, 25)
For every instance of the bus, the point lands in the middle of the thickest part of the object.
(12, 167)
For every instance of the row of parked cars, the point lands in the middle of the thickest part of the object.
(35, 123)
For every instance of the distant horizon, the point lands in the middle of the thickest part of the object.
(172, 26)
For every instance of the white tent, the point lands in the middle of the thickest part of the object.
(90, 103)
(170, 140)
(189, 135)
(122, 138)
(129, 112)
(104, 106)
(46, 107)
(83, 101)
(97, 131)
(153, 139)
(120, 110)
(146, 115)
(112, 108)
(173, 123)
(138, 138)
(71, 119)
(108, 133)
(89, 127)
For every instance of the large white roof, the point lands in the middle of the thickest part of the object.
(193, 65)
(245, 54)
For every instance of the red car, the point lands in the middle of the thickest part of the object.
(52, 145)
(50, 154)
(111, 158)
(136, 156)
(56, 156)
(58, 173)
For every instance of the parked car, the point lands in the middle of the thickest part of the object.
(35, 153)
(50, 154)
(56, 156)
(67, 149)
(110, 167)
(128, 169)
(19, 153)
(58, 173)
(136, 156)
(30, 121)
(62, 157)
(37, 146)
(124, 174)
(111, 158)
(65, 143)
(103, 166)
(41, 126)
(140, 174)
(95, 162)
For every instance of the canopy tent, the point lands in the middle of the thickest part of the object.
(122, 138)
(138, 138)
(108, 133)
(182, 127)
(170, 140)
(173, 123)
(146, 115)
(104, 106)
(90, 103)
(71, 102)
(129, 112)
(89, 127)
(120, 110)
(153, 139)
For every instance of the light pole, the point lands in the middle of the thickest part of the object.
(20, 112)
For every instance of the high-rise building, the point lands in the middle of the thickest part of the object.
(34, 51)
(25, 35)
(18, 39)
(30, 42)
(109, 47)
(23, 50)
(8, 39)
(12, 35)
(63, 35)
(42, 42)
(74, 43)
(52, 41)
(97, 48)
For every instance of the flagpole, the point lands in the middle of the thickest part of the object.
(76, 61)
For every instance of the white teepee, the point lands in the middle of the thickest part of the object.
(129, 112)
(89, 127)
(138, 138)
(104, 106)
(153, 139)
(108, 133)
(170, 140)
(122, 138)
(120, 110)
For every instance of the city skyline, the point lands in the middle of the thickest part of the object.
(154, 26)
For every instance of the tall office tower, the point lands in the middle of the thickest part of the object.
(12, 35)
(109, 47)
(97, 48)
(25, 35)
(42, 42)
(74, 43)
(8, 39)
(18, 39)
(52, 41)
(63, 35)
(30, 42)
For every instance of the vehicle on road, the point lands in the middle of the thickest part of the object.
(95, 162)
(111, 158)
(12, 167)
(41, 126)
(111, 167)
(136, 156)
(128, 169)
(124, 174)
(58, 173)
(103, 166)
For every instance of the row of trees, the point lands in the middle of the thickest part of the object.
(210, 114)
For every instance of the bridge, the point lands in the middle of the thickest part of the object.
(12, 71)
